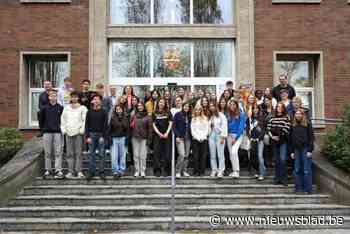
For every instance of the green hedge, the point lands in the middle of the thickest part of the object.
(337, 143)
(10, 142)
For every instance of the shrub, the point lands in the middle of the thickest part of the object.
(10, 142)
(337, 143)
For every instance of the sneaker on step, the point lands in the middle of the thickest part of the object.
(213, 174)
(81, 175)
(59, 175)
(260, 178)
(220, 174)
(136, 174)
(178, 175)
(69, 175)
(143, 174)
(232, 174)
(186, 174)
(46, 174)
(235, 175)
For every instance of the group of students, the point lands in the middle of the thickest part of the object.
(199, 123)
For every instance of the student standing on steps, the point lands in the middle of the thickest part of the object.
(118, 131)
(141, 132)
(182, 132)
(95, 128)
(217, 138)
(278, 129)
(301, 147)
(162, 125)
(236, 125)
(200, 132)
(50, 117)
(73, 127)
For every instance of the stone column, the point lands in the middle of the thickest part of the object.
(245, 43)
(98, 61)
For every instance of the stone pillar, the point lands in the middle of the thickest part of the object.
(98, 61)
(245, 43)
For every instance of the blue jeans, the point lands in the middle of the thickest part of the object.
(118, 154)
(302, 171)
(262, 168)
(100, 148)
(280, 155)
(216, 150)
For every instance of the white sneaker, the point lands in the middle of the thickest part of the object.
(143, 174)
(59, 175)
(178, 175)
(232, 174)
(213, 174)
(186, 174)
(108, 151)
(81, 175)
(69, 175)
(260, 178)
(46, 174)
(220, 174)
(256, 176)
(235, 175)
(136, 174)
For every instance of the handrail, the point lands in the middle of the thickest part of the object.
(173, 184)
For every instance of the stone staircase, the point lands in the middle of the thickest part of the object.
(75, 205)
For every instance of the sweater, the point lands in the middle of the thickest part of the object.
(96, 122)
(276, 92)
(50, 118)
(236, 126)
(279, 126)
(200, 128)
(218, 125)
(181, 127)
(302, 137)
(73, 120)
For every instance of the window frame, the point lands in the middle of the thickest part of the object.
(317, 91)
(152, 21)
(25, 101)
(191, 81)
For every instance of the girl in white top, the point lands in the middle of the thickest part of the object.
(217, 138)
(200, 131)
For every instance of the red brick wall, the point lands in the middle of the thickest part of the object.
(39, 27)
(307, 27)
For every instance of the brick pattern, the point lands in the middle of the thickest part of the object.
(39, 27)
(306, 27)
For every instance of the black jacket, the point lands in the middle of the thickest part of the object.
(43, 100)
(119, 126)
(301, 137)
(50, 118)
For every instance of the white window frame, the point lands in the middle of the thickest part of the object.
(180, 81)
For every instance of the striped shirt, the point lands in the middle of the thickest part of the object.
(279, 126)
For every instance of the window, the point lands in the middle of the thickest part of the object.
(156, 63)
(305, 75)
(171, 11)
(38, 69)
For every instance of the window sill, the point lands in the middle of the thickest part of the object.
(45, 1)
(29, 128)
(296, 1)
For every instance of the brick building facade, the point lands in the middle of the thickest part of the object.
(265, 35)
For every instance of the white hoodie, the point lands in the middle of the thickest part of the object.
(73, 120)
(200, 128)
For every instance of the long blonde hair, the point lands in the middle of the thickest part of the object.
(304, 122)
(201, 115)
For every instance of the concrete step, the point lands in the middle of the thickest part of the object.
(130, 180)
(164, 199)
(96, 225)
(158, 189)
(180, 210)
